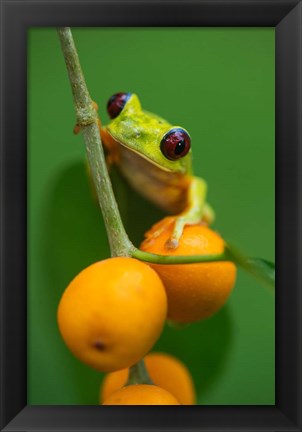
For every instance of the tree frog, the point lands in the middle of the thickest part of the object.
(156, 159)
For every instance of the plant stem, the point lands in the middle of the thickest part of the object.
(177, 259)
(87, 119)
(138, 374)
(119, 242)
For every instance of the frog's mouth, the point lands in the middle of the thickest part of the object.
(147, 158)
(142, 155)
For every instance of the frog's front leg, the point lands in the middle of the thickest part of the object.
(197, 209)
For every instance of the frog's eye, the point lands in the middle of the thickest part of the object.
(116, 103)
(175, 144)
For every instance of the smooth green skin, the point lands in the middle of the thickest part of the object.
(142, 132)
(221, 89)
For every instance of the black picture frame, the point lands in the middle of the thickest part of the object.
(16, 18)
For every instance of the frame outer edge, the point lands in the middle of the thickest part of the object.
(288, 184)
(15, 400)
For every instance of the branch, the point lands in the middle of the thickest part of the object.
(120, 244)
(87, 119)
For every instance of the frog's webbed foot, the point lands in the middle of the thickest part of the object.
(180, 223)
(160, 227)
(173, 241)
(77, 129)
(189, 218)
(197, 211)
(192, 215)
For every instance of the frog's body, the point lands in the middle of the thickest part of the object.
(156, 159)
(168, 190)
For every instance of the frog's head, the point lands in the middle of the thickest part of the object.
(149, 135)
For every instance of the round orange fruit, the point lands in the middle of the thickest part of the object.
(112, 313)
(195, 291)
(141, 394)
(164, 370)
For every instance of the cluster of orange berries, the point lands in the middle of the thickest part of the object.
(113, 312)
(173, 384)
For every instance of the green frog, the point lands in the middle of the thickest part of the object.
(155, 157)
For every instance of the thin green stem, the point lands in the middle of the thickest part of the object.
(176, 259)
(120, 244)
(87, 119)
(138, 374)
(261, 269)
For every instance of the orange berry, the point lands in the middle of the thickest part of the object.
(112, 382)
(112, 313)
(164, 370)
(195, 291)
(141, 394)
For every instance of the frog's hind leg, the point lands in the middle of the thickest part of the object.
(196, 211)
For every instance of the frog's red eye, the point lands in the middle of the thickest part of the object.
(175, 144)
(116, 103)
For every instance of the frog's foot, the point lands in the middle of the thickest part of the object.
(95, 106)
(180, 222)
(184, 219)
(159, 228)
(162, 226)
(77, 129)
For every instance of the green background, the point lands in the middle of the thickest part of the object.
(219, 85)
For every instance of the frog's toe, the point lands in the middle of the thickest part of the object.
(172, 243)
(95, 105)
(180, 223)
(160, 227)
(77, 129)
